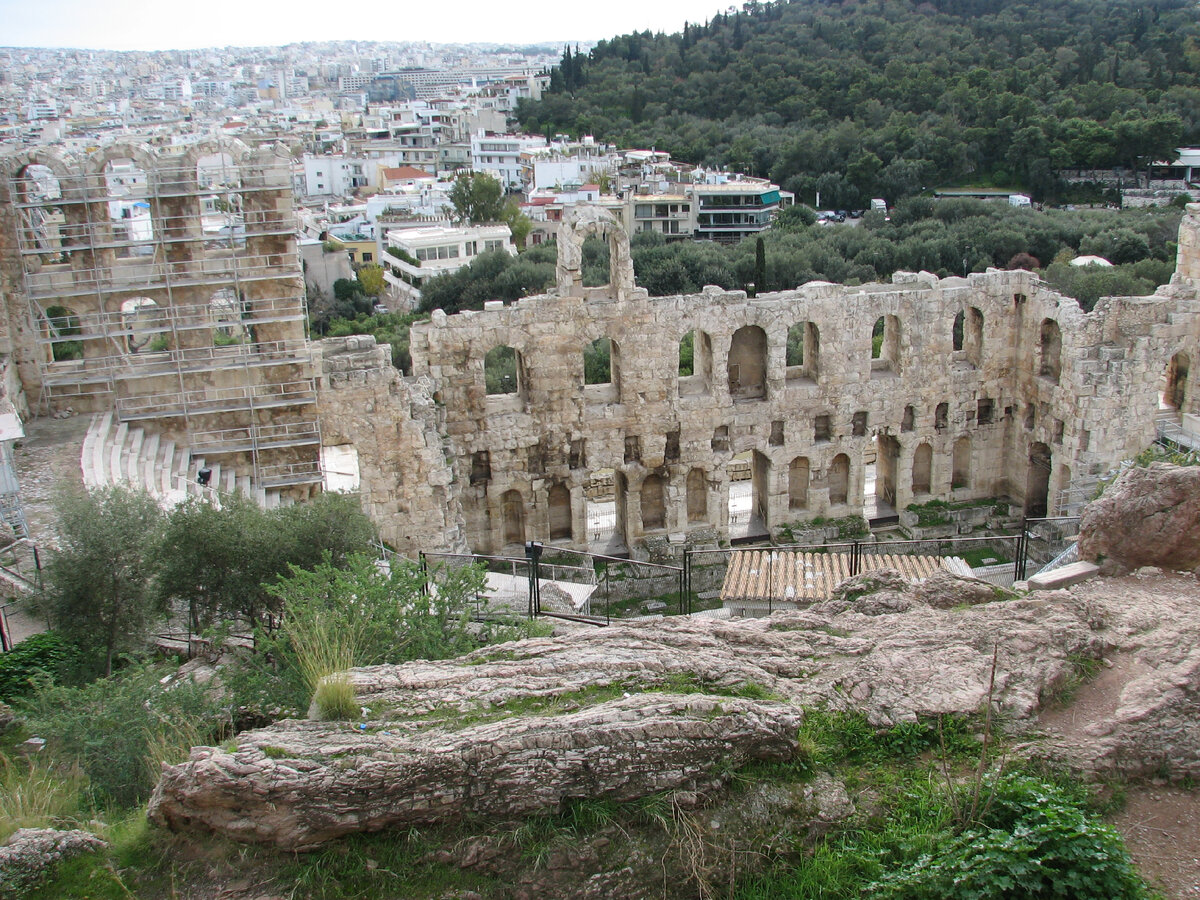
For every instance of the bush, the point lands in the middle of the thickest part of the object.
(37, 661)
(1035, 841)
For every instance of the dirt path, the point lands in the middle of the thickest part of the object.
(1152, 621)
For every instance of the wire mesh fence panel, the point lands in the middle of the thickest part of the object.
(629, 589)
(506, 591)
(1045, 539)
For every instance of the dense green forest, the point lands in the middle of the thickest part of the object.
(947, 237)
(867, 98)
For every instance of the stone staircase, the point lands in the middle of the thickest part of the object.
(124, 453)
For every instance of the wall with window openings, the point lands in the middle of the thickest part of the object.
(956, 389)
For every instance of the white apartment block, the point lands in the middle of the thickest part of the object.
(428, 252)
(499, 155)
(334, 176)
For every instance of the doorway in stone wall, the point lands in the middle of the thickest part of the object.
(748, 474)
(1037, 482)
(880, 465)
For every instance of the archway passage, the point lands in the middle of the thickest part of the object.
(513, 513)
(922, 472)
(654, 507)
(748, 475)
(839, 480)
(1175, 392)
(748, 364)
(560, 513)
(879, 488)
(1037, 483)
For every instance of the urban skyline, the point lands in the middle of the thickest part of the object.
(139, 25)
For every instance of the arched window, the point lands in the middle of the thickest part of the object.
(922, 472)
(597, 362)
(560, 513)
(695, 364)
(748, 364)
(60, 326)
(502, 371)
(839, 480)
(143, 325)
(973, 337)
(961, 473)
(941, 417)
(697, 496)
(798, 473)
(513, 512)
(1050, 363)
(803, 351)
(885, 345)
(956, 332)
(908, 421)
(654, 507)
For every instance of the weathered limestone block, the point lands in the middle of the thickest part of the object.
(299, 784)
(30, 853)
(1147, 517)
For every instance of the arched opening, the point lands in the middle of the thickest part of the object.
(621, 506)
(941, 417)
(501, 371)
(922, 474)
(1037, 483)
(600, 511)
(973, 337)
(885, 345)
(839, 480)
(908, 421)
(748, 364)
(560, 512)
(803, 352)
(887, 456)
(695, 364)
(960, 476)
(1050, 359)
(143, 326)
(654, 505)
(512, 511)
(129, 208)
(1064, 489)
(1175, 392)
(956, 332)
(697, 496)
(597, 362)
(798, 478)
(221, 214)
(226, 312)
(60, 325)
(748, 473)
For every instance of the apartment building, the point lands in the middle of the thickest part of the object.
(414, 255)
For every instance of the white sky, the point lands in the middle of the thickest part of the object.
(185, 24)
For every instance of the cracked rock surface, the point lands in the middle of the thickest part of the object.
(620, 713)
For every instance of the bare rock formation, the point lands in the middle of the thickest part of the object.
(1147, 517)
(616, 713)
(30, 853)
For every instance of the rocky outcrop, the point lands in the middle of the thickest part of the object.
(30, 853)
(1147, 517)
(617, 713)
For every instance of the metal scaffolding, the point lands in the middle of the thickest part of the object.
(174, 293)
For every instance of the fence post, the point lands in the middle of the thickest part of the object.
(1022, 550)
(424, 573)
(686, 576)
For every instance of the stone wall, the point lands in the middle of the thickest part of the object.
(1040, 392)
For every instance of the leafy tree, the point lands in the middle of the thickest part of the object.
(477, 198)
(98, 591)
(370, 279)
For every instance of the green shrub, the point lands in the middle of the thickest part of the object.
(37, 661)
(1035, 841)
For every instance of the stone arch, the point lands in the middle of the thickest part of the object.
(1175, 393)
(142, 325)
(748, 364)
(922, 469)
(559, 502)
(598, 362)
(973, 336)
(697, 496)
(839, 480)
(960, 473)
(227, 313)
(1037, 482)
(695, 364)
(59, 325)
(885, 344)
(578, 222)
(512, 515)
(654, 503)
(799, 471)
(1050, 350)
(502, 371)
(803, 351)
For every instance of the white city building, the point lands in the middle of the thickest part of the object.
(424, 253)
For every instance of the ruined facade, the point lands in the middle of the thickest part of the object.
(167, 287)
(164, 284)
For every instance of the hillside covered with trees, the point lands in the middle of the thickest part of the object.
(867, 98)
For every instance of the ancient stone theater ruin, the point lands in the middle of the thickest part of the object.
(174, 280)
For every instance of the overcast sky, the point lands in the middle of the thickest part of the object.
(180, 24)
